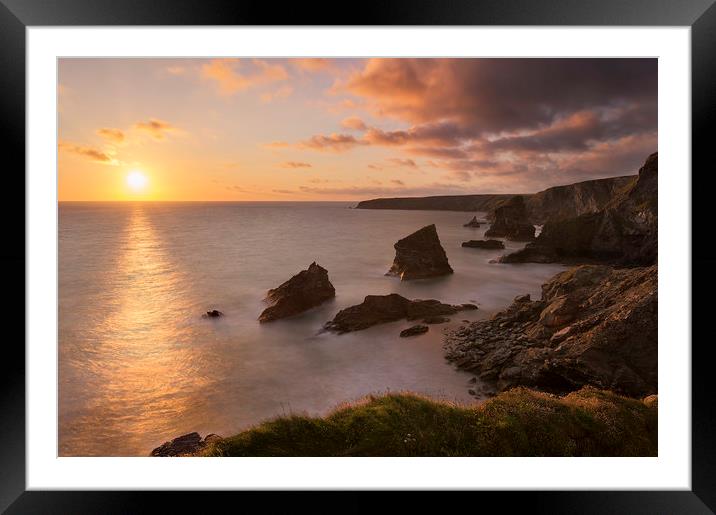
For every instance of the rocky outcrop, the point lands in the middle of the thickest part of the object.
(472, 223)
(594, 325)
(624, 232)
(414, 330)
(379, 309)
(186, 445)
(420, 255)
(484, 244)
(214, 313)
(511, 221)
(303, 291)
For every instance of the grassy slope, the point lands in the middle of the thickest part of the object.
(520, 422)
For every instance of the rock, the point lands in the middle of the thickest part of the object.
(472, 392)
(214, 313)
(180, 446)
(420, 255)
(651, 401)
(436, 320)
(484, 244)
(594, 325)
(472, 223)
(523, 298)
(473, 380)
(623, 232)
(414, 330)
(559, 312)
(379, 309)
(511, 221)
(468, 307)
(305, 290)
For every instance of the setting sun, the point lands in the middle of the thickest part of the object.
(136, 180)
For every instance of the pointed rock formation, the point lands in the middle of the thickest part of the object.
(303, 291)
(512, 222)
(420, 255)
(472, 223)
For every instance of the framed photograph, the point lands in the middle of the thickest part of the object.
(410, 249)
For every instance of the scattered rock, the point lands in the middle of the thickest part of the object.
(511, 221)
(420, 255)
(214, 313)
(185, 445)
(472, 392)
(436, 320)
(523, 298)
(303, 291)
(414, 330)
(484, 244)
(594, 325)
(472, 223)
(379, 309)
(469, 307)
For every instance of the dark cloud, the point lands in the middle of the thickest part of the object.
(157, 129)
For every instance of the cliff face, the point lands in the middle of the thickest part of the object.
(623, 232)
(553, 203)
(575, 199)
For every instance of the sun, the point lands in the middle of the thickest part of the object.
(137, 180)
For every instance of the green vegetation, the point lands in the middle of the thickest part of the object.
(519, 422)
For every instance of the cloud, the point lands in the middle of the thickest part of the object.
(280, 93)
(398, 182)
(92, 153)
(333, 142)
(386, 191)
(353, 123)
(277, 144)
(157, 129)
(115, 136)
(489, 96)
(404, 163)
(314, 64)
(231, 79)
(295, 164)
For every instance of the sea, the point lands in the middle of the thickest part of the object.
(138, 365)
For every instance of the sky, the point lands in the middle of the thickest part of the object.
(347, 129)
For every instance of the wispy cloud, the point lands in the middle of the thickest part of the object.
(332, 142)
(295, 164)
(232, 76)
(157, 129)
(92, 153)
(115, 136)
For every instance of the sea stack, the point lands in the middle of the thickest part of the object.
(420, 255)
(472, 223)
(511, 221)
(303, 291)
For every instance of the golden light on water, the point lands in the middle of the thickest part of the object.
(137, 181)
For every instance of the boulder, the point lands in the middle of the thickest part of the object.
(414, 330)
(420, 255)
(511, 221)
(214, 313)
(379, 309)
(594, 325)
(484, 244)
(186, 445)
(472, 223)
(305, 290)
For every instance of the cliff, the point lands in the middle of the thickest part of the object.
(624, 232)
(553, 203)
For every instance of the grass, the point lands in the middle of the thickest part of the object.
(519, 422)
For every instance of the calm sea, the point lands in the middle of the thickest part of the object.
(139, 366)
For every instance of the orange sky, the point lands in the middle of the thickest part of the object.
(347, 129)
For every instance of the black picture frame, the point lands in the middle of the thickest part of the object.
(17, 15)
